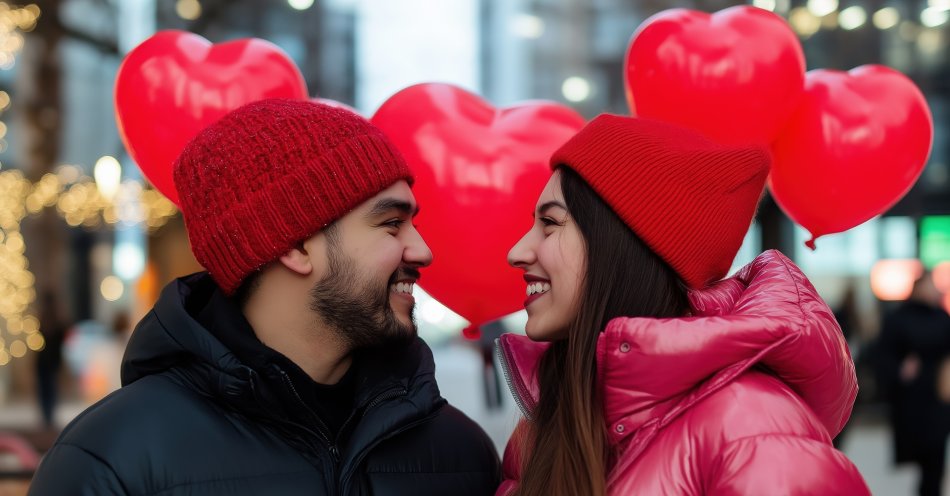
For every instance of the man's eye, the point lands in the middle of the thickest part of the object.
(395, 223)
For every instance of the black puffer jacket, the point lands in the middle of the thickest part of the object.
(192, 419)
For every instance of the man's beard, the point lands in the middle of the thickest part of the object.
(356, 308)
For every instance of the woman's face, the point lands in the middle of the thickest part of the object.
(553, 257)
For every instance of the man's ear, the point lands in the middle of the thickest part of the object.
(298, 260)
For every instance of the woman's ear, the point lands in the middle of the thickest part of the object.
(298, 260)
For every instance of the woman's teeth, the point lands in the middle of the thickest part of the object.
(538, 287)
(402, 287)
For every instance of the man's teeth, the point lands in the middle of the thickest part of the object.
(402, 287)
(538, 287)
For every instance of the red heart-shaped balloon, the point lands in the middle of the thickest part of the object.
(735, 75)
(479, 171)
(857, 143)
(175, 83)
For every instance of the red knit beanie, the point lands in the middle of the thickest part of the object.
(689, 199)
(273, 173)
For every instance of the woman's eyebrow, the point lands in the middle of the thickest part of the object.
(551, 204)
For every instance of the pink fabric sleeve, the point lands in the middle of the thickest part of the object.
(783, 464)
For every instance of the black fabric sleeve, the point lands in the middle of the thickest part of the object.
(71, 470)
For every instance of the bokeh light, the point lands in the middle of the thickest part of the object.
(576, 89)
(886, 18)
(112, 288)
(852, 18)
(893, 280)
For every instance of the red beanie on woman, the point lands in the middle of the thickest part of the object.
(689, 199)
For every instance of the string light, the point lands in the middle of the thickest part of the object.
(886, 18)
(78, 199)
(18, 198)
(852, 17)
(13, 21)
(804, 22)
(821, 8)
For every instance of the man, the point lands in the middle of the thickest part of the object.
(292, 366)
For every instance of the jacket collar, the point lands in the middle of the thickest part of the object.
(768, 314)
(170, 339)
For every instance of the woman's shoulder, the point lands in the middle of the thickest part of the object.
(754, 407)
(750, 433)
(756, 403)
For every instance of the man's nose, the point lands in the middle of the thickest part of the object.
(417, 251)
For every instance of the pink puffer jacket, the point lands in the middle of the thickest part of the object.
(743, 397)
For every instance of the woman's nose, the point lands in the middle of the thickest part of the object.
(522, 253)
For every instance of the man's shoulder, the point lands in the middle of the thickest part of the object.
(144, 409)
(453, 438)
(158, 433)
(451, 450)
(460, 428)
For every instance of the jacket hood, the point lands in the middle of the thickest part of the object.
(169, 337)
(767, 315)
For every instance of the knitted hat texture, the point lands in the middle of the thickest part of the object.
(689, 199)
(273, 173)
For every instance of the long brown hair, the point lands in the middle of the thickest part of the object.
(566, 449)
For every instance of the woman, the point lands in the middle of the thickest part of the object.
(641, 374)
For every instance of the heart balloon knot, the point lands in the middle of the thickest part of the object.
(472, 332)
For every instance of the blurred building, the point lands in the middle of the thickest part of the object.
(58, 60)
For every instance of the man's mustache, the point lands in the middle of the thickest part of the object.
(405, 272)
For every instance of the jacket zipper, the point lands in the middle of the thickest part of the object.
(334, 450)
(356, 413)
(277, 423)
(385, 395)
(507, 372)
(322, 429)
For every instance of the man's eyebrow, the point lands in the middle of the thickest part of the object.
(546, 205)
(386, 205)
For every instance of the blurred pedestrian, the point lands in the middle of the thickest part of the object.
(914, 345)
(491, 380)
(49, 360)
(847, 315)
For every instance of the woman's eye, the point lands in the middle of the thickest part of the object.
(547, 221)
